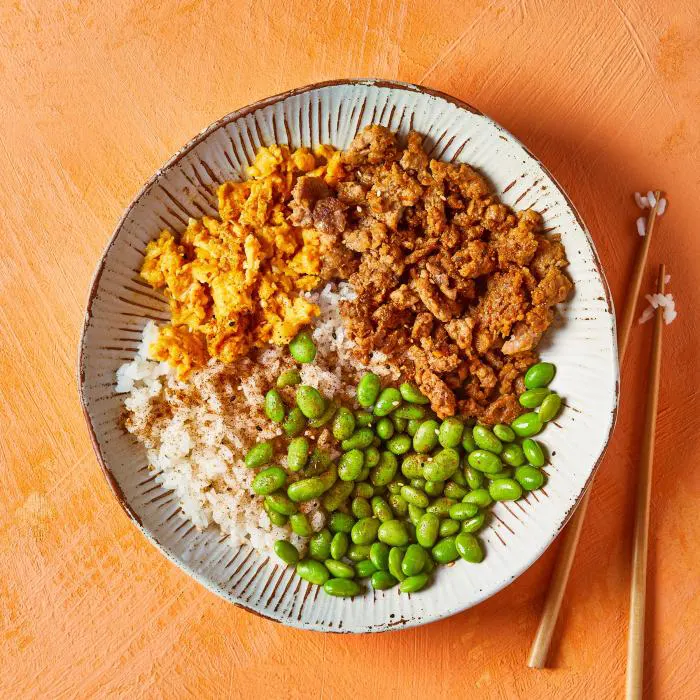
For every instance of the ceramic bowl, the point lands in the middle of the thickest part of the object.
(583, 348)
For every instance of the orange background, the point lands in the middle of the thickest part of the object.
(95, 96)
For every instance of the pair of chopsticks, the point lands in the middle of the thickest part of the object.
(562, 567)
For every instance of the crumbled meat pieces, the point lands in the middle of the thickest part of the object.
(329, 215)
(374, 145)
(307, 191)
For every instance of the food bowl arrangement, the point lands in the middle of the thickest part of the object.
(128, 312)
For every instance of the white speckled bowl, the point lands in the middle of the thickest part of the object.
(583, 349)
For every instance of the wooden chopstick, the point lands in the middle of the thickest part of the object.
(640, 543)
(562, 567)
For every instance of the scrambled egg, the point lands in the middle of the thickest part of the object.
(235, 283)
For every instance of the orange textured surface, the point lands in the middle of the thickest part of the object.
(95, 97)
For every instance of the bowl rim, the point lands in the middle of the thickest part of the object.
(174, 160)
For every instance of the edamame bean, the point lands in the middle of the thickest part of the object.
(326, 416)
(539, 375)
(360, 440)
(310, 401)
(297, 453)
(435, 488)
(505, 473)
(388, 401)
(473, 524)
(274, 406)
(418, 483)
(385, 471)
(319, 461)
(300, 525)
(329, 477)
(363, 419)
(306, 489)
(529, 477)
(269, 480)
(479, 497)
(532, 398)
(550, 407)
(445, 550)
(485, 461)
(449, 527)
(259, 455)
(469, 548)
(381, 509)
(358, 552)
(399, 444)
(365, 568)
(343, 424)
(396, 486)
(400, 424)
(398, 505)
(410, 412)
(415, 497)
(395, 560)
(339, 569)
(384, 428)
(382, 581)
(505, 490)
(295, 423)
(372, 456)
(280, 503)
(412, 427)
(412, 394)
(363, 490)
(486, 440)
(413, 584)
(335, 496)
(454, 490)
(415, 513)
(513, 455)
(340, 522)
(313, 572)
(276, 518)
(361, 508)
(342, 587)
(459, 478)
(426, 437)
(441, 507)
(413, 560)
(450, 433)
(320, 545)
(364, 475)
(393, 533)
(379, 555)
(443, 465)
(427, 530)
(290, 377)
(474, 478)
(503, 432)
(527, 425)
(368, 389)
(463, 511)
(468, 443)
(339, 545)
(350, 465)
(302, 348)
(533, 452)
(412, 466)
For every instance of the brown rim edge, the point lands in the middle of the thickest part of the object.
(181, 153)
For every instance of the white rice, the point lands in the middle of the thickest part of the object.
(662, 207)
(662, 301)
(642, 226)
(196, 445)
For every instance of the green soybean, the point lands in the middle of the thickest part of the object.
(527, 425)
(290, 377)
(468, 443)
(505, 490)
(427, 530)
(310, 401)
(382, 581)
(368, 389)
(412, 466)
(419, 483)
(358, 552)
(320, 545)
(364, 568)
(410, 412)
(277, 518)
(274, 406)
(473, 524)
(395, 560)
(533, 451)
(459, 478)
(441, 507)
(297, 453)
(280, 503)
(426, 437)
(399, 444)
(350, 465)
(342, 587)
(550, 407)
(340, 522)
(400, 424)
(463, 511)
(295, 423)
(372, 456)
(539, 375)
(411, 393)
(259, 455)
(485, 461)
(414, 497)
(415, 513)
(379, 555)
(513, 455)
(363, 419)
(306, 489)
(413, 560)
(384, 428)
(412, 427)
(413, 584)
(269, 480)
(343, 424)
(335, 496)
(449, 527)
(435, 488)
(319, 461)
(396, 486)
(385, 471)
(450, 432)
(388, 401)
(339, 545)
(360, 440)
(442, 466)
(300, 525)
(505, 473)
(454, 490)
(474, 478)
(361, 508)
(469, 548)
(393, 533)
(326, 416)
(363, 490)
(479, 497)
(313, 572)
(503, 432)
(532, 398)
(381, 509)
(529, 477)
(302, 348)
(486, 440)
(398, 505)
(339, 569)
(445, 550)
